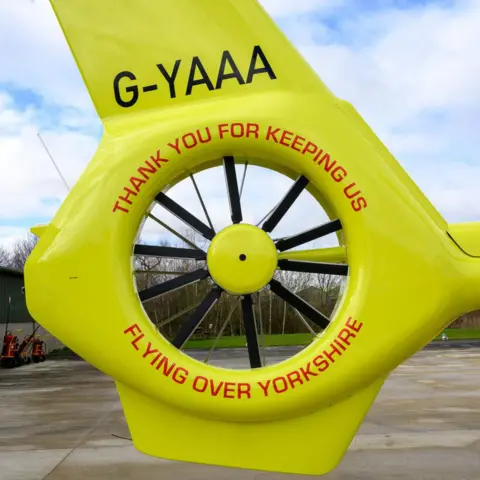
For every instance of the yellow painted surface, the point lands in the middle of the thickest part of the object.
(467, 237)
(407, 278)
(242, 259)
(328, 255)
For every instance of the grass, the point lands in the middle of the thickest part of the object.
(292, 339)
(461, 334)
(270, 341)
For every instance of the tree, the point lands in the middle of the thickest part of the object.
(5, 260)
(22, 250)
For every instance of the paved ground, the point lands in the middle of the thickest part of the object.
(59, 420)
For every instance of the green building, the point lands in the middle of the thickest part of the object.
(12, 287)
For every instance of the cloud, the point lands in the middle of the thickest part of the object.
(409, 67)
(28, 180)
(283, 8)
(35, 55)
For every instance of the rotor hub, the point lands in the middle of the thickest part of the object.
(242, 259)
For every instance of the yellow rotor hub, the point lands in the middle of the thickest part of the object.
(242, 259)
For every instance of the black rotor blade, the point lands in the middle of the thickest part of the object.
(232, 188)
(169, 252)
(251, 332)
(174, 208)
(308, 235)
(287, 201)
(313, 267)
(299, 303)
(173, 284)
(197, 316)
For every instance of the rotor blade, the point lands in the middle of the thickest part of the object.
(308, 235)
(328, 255)
(313, 267)
(298, 303)
(232, 188)
(173, 284)
(287, 201)
(205, 211)
(174, 208)
(243, 178)
(169, 252)
(171, 230)
(251, 332)
(197, 316)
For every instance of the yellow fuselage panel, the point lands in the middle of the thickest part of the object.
(261, 101)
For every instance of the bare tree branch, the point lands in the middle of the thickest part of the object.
(5, 260)
(22, 250)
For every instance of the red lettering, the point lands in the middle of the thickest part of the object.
(149, 350)
(252, 128)
(175, 147)
(310, 148)
(296, 142)
(271, 133)
(328, 165)
(152, 363)
(353, 326)
(322, 365)
(118, 207)
(157, 160)
(338, 174)
(276, 386)
(229, 388)
(216, 390)
(306, 372)
(240, 130)
(203, 386)
(349, 194)
(142, 170)
(129, 192)
(134, 342)
(132, 328)
(193, 143)
(222, 129)
(329, 355)
(317, 155)
(167, 369)
(359, 203)
(345, 334)
(136, 182)
(206, 140)
(284, 136)
(244, 389)
(343, 347)
(180, 375)
(264, 387)
(294, 377)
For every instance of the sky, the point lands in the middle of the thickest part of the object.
(410, 67)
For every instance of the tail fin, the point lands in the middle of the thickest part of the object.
(145, 54)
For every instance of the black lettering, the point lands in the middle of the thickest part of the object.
(197, 64)
(227, 57)
(170, 78)
(253, 70)
(131, 89)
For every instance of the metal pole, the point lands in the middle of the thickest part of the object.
(53, 161)
(8, 316)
